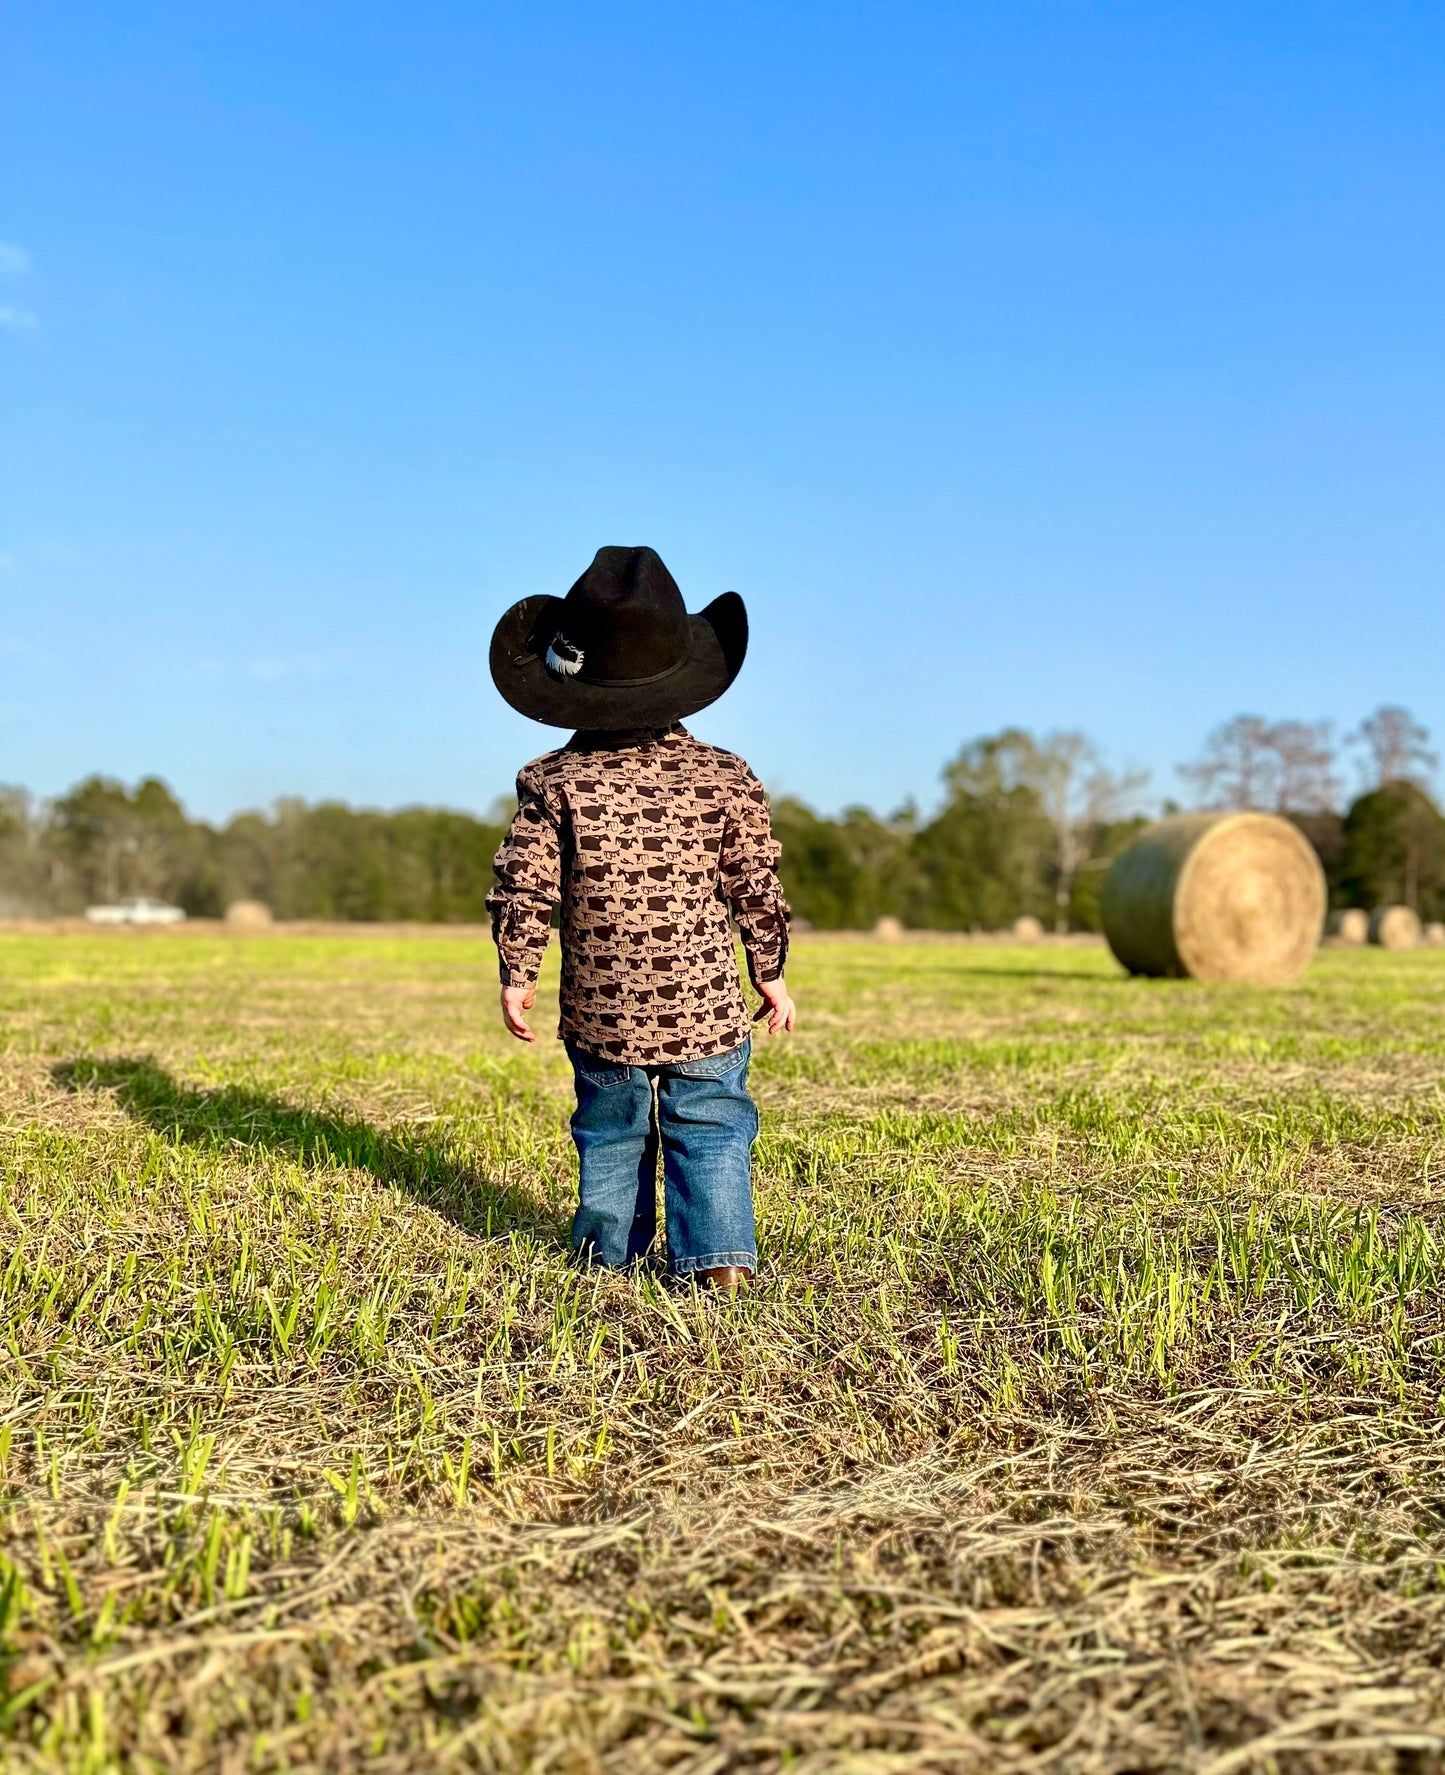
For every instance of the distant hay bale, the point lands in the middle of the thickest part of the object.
(1352, 926)
(1216, 897)
(1395, 927)
(1027, 929)
(888, 929)
(248, 915)
(1435, 935)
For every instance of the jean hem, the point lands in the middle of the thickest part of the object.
(715, 1260)
(584, 1258)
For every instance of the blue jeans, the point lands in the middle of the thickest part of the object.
(700, 1114)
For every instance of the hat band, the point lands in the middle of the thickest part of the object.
(633, 683)
(568, 665)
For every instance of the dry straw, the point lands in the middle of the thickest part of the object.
(1027, 929)
(1395, 927)
(888, 929)
(248, 915)
(1352, 926)
(1216, 897)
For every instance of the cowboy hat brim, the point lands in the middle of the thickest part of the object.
(718, 640)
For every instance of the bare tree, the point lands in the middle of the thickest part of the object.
(1398, 746)
(1239, 767)
(1078, 795)
(1304, 758)
(1250, 762)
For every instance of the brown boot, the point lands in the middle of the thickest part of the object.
(727, 1280)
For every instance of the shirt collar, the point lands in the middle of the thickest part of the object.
(625, 739)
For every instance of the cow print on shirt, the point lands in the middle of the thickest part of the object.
(647, 840)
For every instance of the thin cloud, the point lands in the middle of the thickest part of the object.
(14, 260)
(19, 320)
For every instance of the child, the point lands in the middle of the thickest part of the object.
(646, 837)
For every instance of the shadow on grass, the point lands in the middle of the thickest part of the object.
(233, 1116)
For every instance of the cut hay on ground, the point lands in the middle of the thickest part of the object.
(1085, 1418)
(1216, 897)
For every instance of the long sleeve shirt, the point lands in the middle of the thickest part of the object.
(647, 840)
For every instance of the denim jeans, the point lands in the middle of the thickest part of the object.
(700, 1114)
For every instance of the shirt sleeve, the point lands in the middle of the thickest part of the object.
(528, 868)
(749, 880)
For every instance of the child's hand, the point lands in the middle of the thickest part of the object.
(777, 1007)
(516, 1002)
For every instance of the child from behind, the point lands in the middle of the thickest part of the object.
(647, 838)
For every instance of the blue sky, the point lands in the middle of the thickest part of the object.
(1071, 365)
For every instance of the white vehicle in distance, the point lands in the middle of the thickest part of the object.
(135, 912)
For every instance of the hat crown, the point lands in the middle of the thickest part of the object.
(625, 617)
(620, 650)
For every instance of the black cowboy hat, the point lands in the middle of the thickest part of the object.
(620, 650)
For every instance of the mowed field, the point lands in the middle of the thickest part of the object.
(1086, 1415)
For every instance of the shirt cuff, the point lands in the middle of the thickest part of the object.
(766, 961)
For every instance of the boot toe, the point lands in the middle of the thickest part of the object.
(727, 1279)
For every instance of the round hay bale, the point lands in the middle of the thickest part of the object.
(1435, 935)
(1352, 926)
(1216, 897)
(1027, 929)
(248, 915)
(1395, 927)
(889, 929)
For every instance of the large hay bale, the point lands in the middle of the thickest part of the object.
(248, 915)
(889, 929)
(1027, 929)
(1216, 897)
(1352, 926)
(1435, 935)
(1395, 927)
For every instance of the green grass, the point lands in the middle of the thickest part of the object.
(1086, 1414)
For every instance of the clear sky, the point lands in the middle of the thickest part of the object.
(1074, 365)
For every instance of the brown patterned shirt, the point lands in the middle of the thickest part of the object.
(647, 839)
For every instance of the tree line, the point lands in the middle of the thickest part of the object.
(102, 842)
(1030, 826)
(1027, 825)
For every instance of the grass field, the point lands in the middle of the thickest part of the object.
(1086, 1415)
